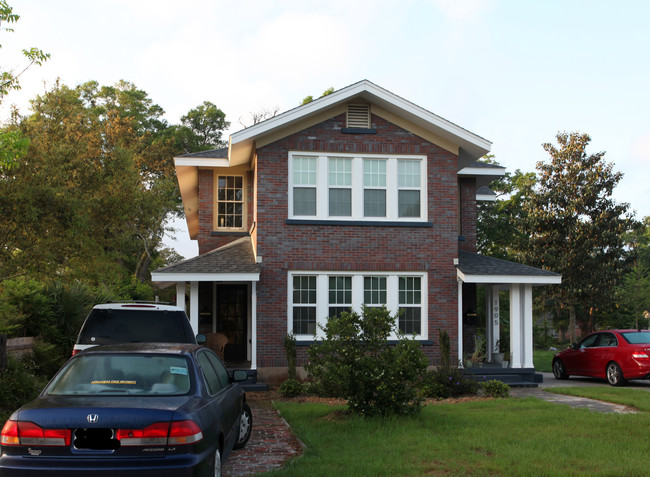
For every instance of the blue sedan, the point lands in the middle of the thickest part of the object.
(146, 409)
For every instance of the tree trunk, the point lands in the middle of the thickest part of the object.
(572, 323)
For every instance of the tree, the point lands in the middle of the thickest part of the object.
(202, 128)
(309, 99)
(12, 144)
(93, 194)
(576, 228)
(499, 232)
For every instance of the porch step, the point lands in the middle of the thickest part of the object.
(514, 377)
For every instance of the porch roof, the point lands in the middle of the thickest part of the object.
(475, 268)
(232, 262)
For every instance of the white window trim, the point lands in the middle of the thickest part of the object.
(322, 187)
(322, 297)
(216, 202)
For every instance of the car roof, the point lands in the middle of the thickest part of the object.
(144, 306)
(153, 348)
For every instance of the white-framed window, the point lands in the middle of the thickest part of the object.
(315, 296)
(230, 202)
(357, 187)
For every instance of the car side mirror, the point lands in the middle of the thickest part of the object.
(239, 375)
(574, 345)
(201, 338)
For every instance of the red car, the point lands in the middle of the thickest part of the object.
(616, 355)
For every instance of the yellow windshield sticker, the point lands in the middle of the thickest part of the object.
(113, 381)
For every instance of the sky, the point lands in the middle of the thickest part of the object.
(515, 72)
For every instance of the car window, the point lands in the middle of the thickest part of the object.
(118, 374)
(637, 337)
(590, 341)
(607, 339)
(221, 370)
(107, 326)
(209, 373)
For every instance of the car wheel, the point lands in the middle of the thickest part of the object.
(216, 468)
(614, 374)
(559, 371)
(245, 426)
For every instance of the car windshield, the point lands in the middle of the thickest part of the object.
(108, 326)
(637, 337)
(117, 374)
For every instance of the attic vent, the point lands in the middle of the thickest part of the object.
(358, 116)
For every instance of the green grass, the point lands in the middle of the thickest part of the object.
(487, 437)
(543, 360)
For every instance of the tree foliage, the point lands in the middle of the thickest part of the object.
(92, 195)
(202, 128)
(355, 362)
(574, 227)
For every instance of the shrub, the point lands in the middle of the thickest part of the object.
(290, 348)
(291, 388)
(496, 389)
(18, 385)
(355, 362)
(447, 382)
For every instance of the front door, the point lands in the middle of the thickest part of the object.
(232, 317)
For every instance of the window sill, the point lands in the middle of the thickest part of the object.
(229, 233)
(358, 223)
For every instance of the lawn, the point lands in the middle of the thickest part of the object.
(543, 360)
(481, 437)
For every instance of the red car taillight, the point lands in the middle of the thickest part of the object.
(16, 433)
(161, 433)
(639, 355)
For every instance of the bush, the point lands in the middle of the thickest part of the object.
(291, 388)
(18, 385)
(447, 382)
(290, 348)
(496, 389)
(355, 362)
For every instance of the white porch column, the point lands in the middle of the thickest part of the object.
(460, 323)
(254, 325)
(527, 329)
(492, 311)
(515, 326)
(194, 306)
(180, 294)
(489, 329)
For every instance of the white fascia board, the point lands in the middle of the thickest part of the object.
(205, 277)
(486, 197)
(482, 171)
(372, 93)
(515, 279)
(201, 162)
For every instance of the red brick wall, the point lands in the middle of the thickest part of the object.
(467, 215)
(325, 247)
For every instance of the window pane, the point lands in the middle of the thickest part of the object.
(304, 290)
(409, 321)
(374, 173)
(374, 290)
(304, 170)
(304, 320)
(409, 203)
(340, 171)
(230, 200)
(304, 201)
(340, 202)
(374, 203)
(408, 173)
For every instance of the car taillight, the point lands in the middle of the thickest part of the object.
(74, 351)
(161, 433)
(18, 433)
(639, 355)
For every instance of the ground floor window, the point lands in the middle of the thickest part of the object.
(315, 296)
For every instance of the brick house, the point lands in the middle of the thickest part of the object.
(358, 197)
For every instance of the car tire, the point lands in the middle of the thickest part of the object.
(614, 374)
(559, 371)
(245, 427)
(216, 464)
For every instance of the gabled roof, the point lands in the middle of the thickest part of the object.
(232, 262)
(475, 268)
(383, 103)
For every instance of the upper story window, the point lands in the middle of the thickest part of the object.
(230, 202)
(357, 187)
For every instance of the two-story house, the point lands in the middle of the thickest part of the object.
(359, 197)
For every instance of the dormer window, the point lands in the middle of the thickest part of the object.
(230, 202)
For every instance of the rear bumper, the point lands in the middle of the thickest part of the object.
(175, 466)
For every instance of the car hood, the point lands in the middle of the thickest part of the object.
(110, 411)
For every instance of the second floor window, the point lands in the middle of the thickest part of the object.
(230, 202)
(357, 187)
